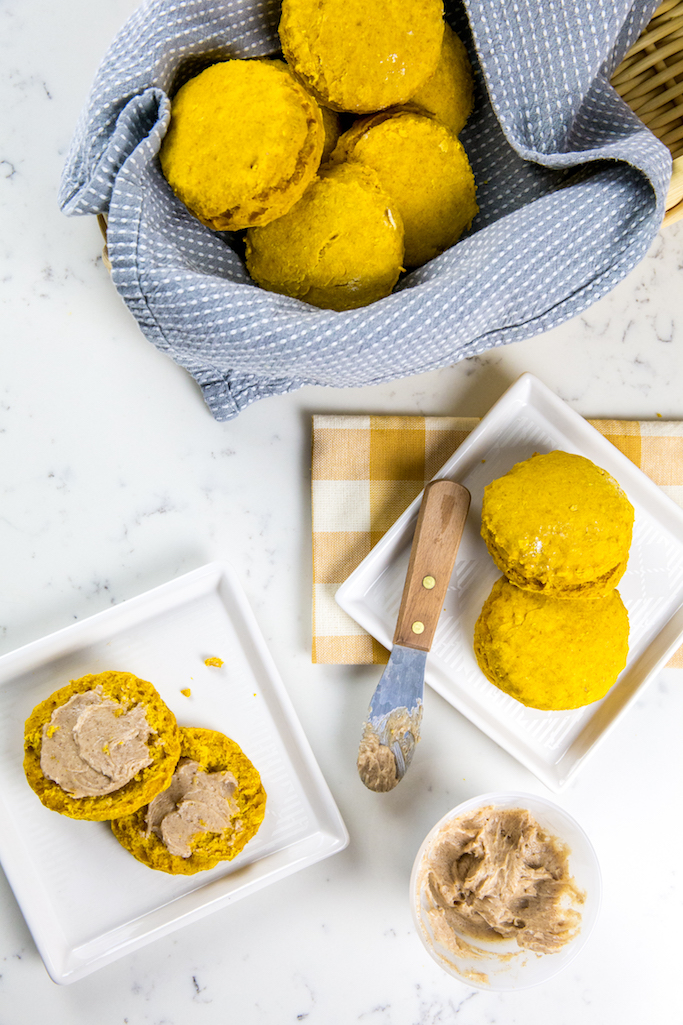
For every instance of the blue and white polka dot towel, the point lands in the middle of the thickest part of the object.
(571, 189)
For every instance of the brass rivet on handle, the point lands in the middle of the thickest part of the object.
(429, 582)
(418, 627)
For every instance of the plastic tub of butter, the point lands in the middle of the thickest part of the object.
(505, 891)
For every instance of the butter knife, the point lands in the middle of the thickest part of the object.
(392, 728)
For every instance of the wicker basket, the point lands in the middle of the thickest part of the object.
(650, 80)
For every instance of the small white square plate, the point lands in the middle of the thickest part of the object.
(529, 418)
(86, 900)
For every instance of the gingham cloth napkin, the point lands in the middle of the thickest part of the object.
(366, 470)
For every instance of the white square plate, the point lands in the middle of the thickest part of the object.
(86, 900)
(529, 418)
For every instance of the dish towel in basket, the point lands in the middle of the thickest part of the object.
(571, 189)
(366, 470)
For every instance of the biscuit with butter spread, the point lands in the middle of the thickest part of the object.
(359, 56)
(551, 653)
(213, 806)
(558, 524)
(100, 747)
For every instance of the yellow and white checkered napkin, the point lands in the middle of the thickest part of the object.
(366, 470)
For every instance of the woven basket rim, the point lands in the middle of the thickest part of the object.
(650, 77)
(650, 80)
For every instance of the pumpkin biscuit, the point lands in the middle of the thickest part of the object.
(339, 248)
(558, 524)
(551, 653)
(100, 747)
(244, 141)
(359, 56)
(425, 170)
(214, 805)
(449, 93)
(331, 120)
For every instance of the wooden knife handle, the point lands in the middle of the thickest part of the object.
(439, 527)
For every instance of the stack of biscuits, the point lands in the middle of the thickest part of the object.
(342, 162)
(553, 632)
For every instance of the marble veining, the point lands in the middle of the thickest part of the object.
(114, 478)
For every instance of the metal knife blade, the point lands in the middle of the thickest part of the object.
(393, 722)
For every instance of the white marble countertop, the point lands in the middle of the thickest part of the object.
(114, 478)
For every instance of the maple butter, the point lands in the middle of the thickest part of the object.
(495, 874)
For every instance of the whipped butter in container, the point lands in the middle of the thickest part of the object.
(505, 890)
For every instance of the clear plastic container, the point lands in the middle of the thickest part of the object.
(503, 965)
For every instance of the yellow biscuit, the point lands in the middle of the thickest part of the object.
(558, 524)
(551, 653)
(332, 126)
(214, 752)
(331, 122)
(163, 744)
(245, 139)
(359, 56)
(449, 93)
(339, 248)
(425, 170)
